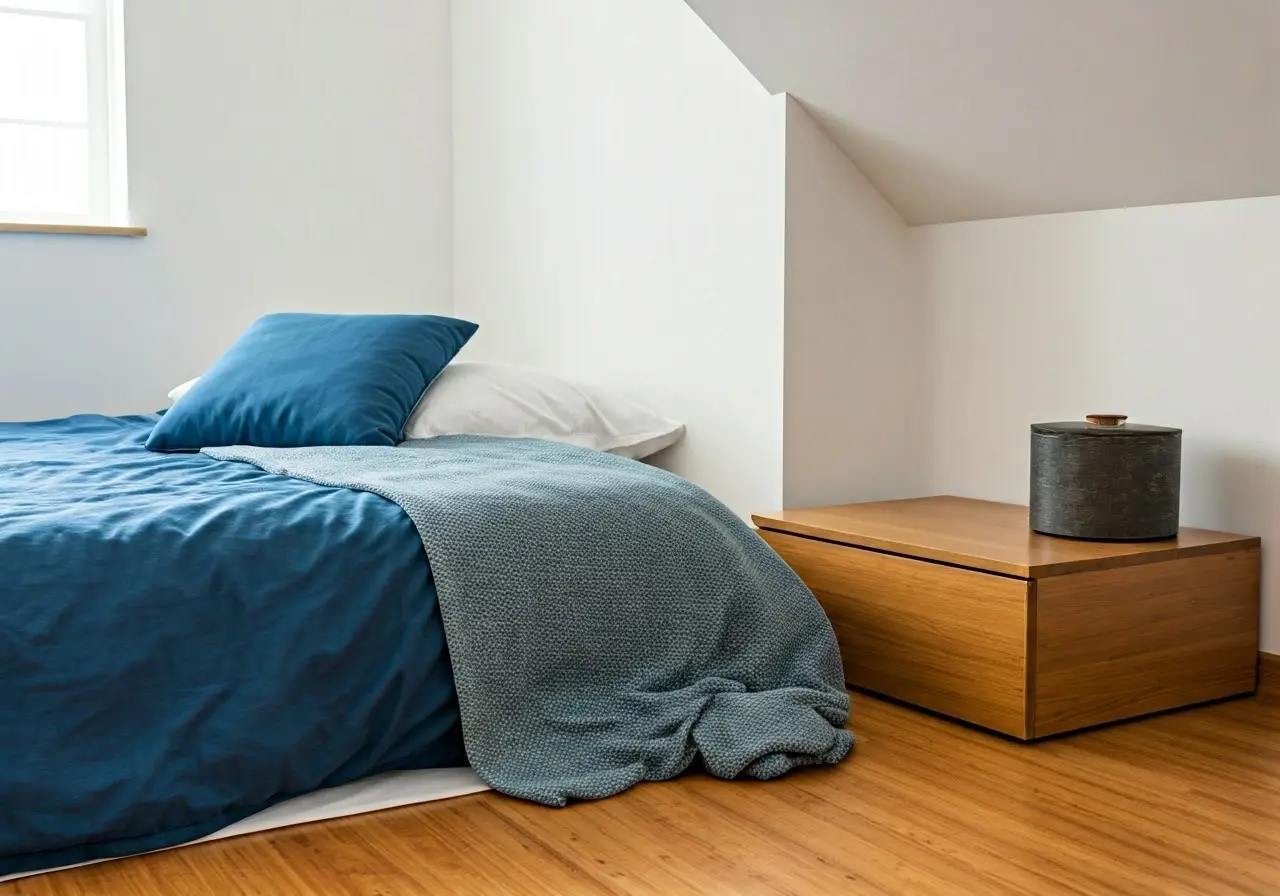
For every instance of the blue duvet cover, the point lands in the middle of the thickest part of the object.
(184, 642)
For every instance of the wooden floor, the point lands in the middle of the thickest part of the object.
(1178, 804)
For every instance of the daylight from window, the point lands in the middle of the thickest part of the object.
(61, 124)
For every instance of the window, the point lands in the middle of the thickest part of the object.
(62, 131)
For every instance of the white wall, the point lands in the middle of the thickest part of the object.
(286, 156)
(1167, 314)
(854, 421)
(619, 190)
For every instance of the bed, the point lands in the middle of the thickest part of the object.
(189, 639)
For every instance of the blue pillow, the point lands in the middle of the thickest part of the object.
(294, 380)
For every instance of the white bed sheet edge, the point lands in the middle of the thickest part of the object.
(374, 794)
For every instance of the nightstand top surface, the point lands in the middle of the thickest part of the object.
(985, 535)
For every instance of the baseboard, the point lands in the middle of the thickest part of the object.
(1268, 673)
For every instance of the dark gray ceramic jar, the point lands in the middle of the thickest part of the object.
(1105, 479)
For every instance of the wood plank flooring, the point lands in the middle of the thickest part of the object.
(1185, 803)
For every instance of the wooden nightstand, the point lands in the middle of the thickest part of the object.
(957, 606)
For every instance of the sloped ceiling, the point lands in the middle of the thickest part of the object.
(965, 109)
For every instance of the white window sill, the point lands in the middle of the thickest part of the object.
(81, 229)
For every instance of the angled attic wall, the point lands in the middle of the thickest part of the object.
(618, 218)
(855, 409)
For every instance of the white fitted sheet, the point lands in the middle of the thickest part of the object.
(368, 795)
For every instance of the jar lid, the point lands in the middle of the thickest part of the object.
(1103, 425)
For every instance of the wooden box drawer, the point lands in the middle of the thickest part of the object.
(949, 639)
(1032, 657)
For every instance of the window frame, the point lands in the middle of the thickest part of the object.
(106, 121)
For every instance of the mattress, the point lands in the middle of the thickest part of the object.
(386, 791)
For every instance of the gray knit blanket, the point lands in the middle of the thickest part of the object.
(608, 622)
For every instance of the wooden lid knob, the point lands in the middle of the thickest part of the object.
(1106, 419)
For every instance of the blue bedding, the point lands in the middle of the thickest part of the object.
(184, 642)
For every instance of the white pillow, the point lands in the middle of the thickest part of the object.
(178, 391)
(505, 400)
